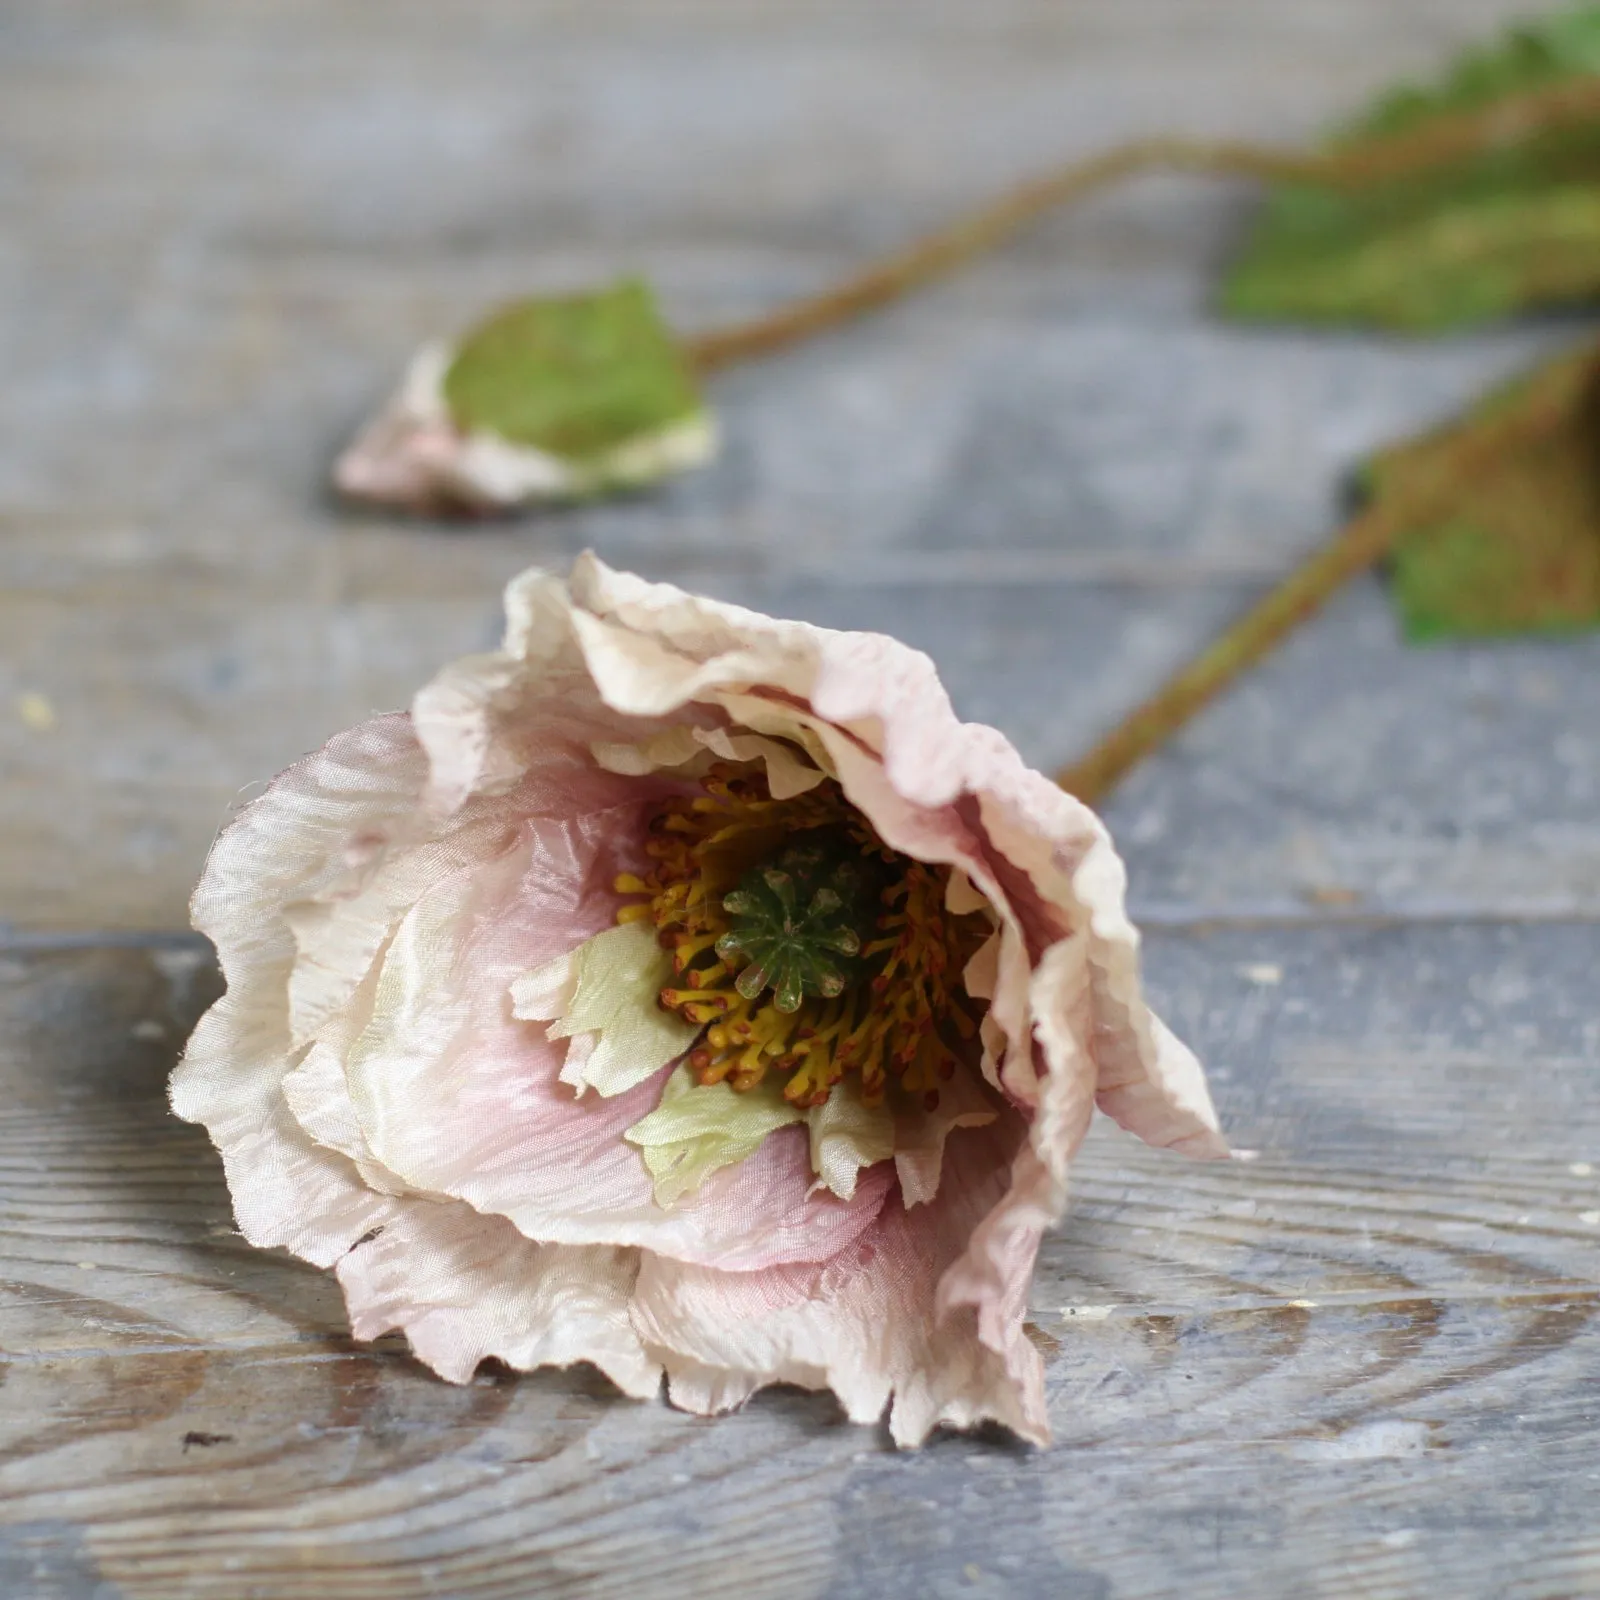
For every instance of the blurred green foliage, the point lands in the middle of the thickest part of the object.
(1519, 551)
(1508, 227)
(574, 376)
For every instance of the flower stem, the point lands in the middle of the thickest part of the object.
(1476, 447)
(1364, 541)
(1351, 165)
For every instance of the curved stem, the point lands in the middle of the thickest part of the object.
(1351, 165)
(1478, 447)
(939, 253)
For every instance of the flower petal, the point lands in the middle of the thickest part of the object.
(288, 844)
(464, 1288)
(693, 748)
(920, 1135)
(458, 1099)
(867, 1325)
(847, 1135)
(615, 977)
(699, 1129)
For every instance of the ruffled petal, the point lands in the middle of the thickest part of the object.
(697, 1130)
(920, 1135)
(692, 750)
(869, 1325)
(464, 1288)
(289, 845)
(848, 1135)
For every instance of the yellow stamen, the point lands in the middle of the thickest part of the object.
(903, 1023)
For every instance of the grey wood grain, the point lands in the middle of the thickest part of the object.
(1356, 1365)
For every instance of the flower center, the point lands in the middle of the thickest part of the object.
(803, 944)
(797, 921)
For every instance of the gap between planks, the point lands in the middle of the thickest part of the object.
(1157, 917)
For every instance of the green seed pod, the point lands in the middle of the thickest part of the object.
(799, 921)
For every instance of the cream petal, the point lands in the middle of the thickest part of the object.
(575, 1065)
(787, 774)
(673, 747)
(339, 930)
(683, 632)
(847, 1135)
(618, 975)
(700, 1129)
(920, 1135)
(464, 1288)
(641, 676)
(528, 712)
(688, 749)
(545, 993)
(287, 846)
(962, 898)
(319, 1100)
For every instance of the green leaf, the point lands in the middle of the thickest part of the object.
(1520, 552)
(577, 377)
(698, 1129)
(1484, 236)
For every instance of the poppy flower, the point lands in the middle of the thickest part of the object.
(687, 992)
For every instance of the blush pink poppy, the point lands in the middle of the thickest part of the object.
(381, 1109)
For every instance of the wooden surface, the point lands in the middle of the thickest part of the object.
(1362, 1364)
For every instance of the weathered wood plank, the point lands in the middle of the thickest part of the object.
(222, 230)
(1454, 781)
(1357, 1365)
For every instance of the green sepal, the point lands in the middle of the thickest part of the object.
(577, 377)
(698, 1129)
(1484, 237)
(612, 982)
(1520, 551)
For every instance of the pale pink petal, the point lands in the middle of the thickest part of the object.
(412, 455)
(408, 454)
(464, 1288)
(318, 1099)
(487, 722)
(920, 1135)
(868, 1325)
(991, 1279)
(1145, 1079)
